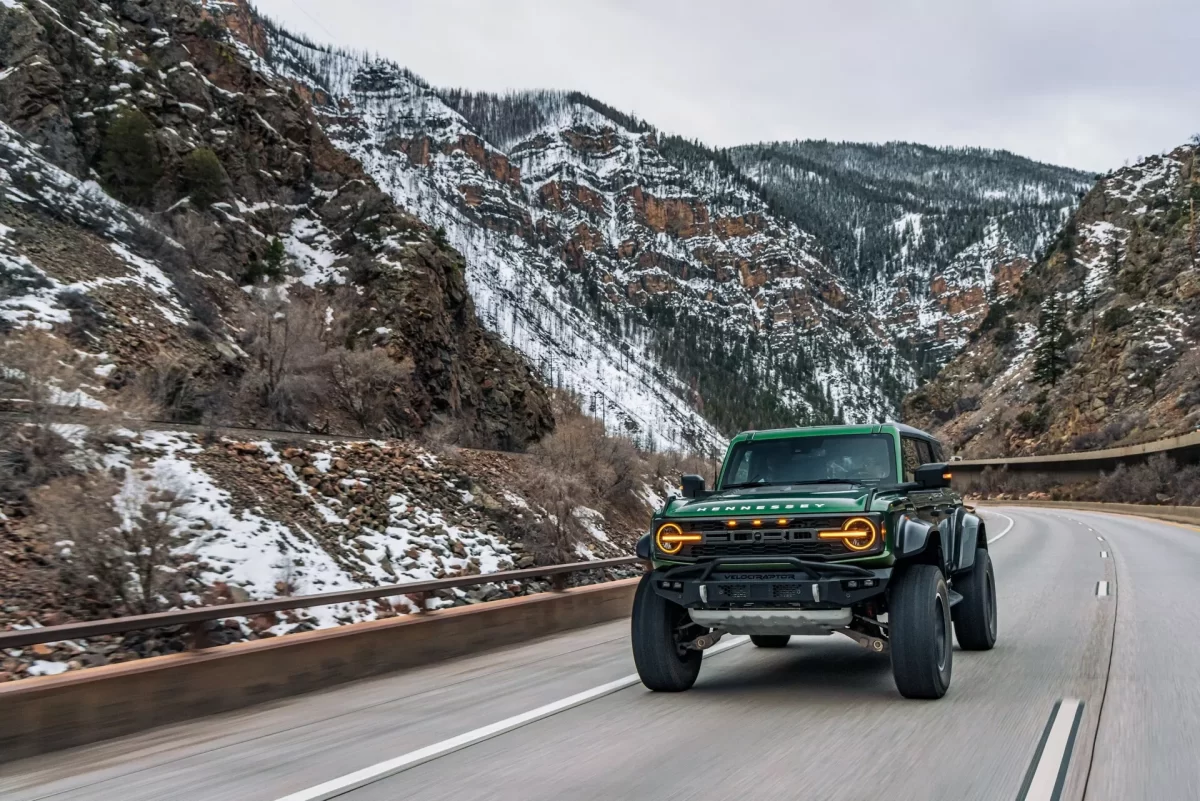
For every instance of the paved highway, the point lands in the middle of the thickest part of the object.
(1090, 693)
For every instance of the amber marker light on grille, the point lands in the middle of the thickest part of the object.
(671, 539)
(858, 533)
(732, 524)
(757, 523)
(781, 522)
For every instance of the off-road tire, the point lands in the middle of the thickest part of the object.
(770, 640)
(655, 653)
(919, 632)
(975, 614)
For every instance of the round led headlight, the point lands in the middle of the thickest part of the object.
(858, 533)
(670, 538)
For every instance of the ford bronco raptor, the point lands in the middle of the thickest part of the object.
(846, 529)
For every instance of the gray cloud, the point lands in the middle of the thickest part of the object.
(1088, 83)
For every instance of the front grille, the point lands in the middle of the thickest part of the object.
(785, 591)
(810, 523)
(798, 538)
(734, 591)
(776, 548)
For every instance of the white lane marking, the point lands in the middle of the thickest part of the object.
(1048, 772)
(1002, 533)
(1104, 554)
(361, 778)
(1101, 589)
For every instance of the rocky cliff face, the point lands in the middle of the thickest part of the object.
(666, 295)
(205, 160)
(1100, 344)
(932, 236)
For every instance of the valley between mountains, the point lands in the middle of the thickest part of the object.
(533, 309)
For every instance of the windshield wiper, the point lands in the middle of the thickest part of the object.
(749, 484)
(854, 481)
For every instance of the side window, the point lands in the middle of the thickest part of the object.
(925, 452)
(938, 454)
(912, 459)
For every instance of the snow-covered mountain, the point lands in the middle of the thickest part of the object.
(932, 236)
(1101, 344)
(668, 296)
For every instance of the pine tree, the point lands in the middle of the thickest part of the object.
(1053, 338)
(202, 176)
(129, 163)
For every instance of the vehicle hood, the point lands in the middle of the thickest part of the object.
(774, 500)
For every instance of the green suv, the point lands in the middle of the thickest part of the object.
(847, 529)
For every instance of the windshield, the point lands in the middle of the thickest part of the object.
(861, 458)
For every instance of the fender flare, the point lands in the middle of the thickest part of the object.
(970, 528)
(914, 536)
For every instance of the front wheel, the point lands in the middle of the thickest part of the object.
(659, 629)
(770, 640)
(975, 614)
(919, 632)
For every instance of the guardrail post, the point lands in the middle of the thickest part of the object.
(197, 635)
(559, 582)
(420, 599)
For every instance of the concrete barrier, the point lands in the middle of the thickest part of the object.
(46, 714)
(1175, 514)
(1082, 465)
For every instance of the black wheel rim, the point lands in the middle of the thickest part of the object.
(942, 634)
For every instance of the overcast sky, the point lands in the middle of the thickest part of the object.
(1086, 83)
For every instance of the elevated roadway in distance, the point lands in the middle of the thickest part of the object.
(1082, 465)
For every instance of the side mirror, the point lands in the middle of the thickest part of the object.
(692, 486)
(933, 476)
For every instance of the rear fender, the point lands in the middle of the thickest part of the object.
(970, 537)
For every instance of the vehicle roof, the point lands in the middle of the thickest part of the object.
(872, 428)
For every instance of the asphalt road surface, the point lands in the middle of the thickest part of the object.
(1093, 691)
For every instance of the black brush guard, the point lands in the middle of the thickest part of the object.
(783, 582)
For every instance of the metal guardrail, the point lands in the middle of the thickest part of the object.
(197, 617)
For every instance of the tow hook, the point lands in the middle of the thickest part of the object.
(706, 640)
(871, 643)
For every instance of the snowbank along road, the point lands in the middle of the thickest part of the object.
(1089, 694)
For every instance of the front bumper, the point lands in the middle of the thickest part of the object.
(788, 583)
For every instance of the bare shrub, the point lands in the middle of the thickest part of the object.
(116, 540)
(284, 340)
(608, 468)
(554, 539)
(1154, 481)
(362, 383)
(170, 389)
(37, 370)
